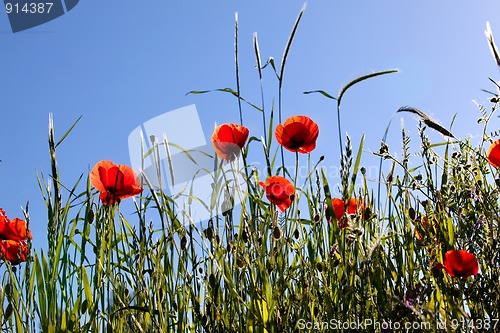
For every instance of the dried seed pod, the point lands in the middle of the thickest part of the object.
(277, 233)
(183, 243)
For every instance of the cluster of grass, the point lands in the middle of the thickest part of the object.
(255, 269)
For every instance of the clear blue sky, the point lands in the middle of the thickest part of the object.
(120, 63)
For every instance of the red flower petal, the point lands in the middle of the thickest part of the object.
(338, 207)
(494, 154)
(279, 191)
(460, 263)
(98, 171)
(115, 182)
(354, 205)
(16, 229)
(298, 134)
(13, 251)
(228, 140)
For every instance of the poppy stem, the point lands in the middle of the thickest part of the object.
(279, 119)
(296, 168)
(339, 127)
(263, 111)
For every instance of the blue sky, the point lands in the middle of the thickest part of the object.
(121, 63)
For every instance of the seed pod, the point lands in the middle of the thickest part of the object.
(90, 216)
(316, 217)
(212, 281)
(183, 243)
(209, 233)
(8, 312)
(84, 306)
(412, 214)
(277, 233)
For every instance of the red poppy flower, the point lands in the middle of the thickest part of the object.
(13, 236)
(228, 140)
(14, 230)
(13, 251)
(460, 263)
(279, 191)
(298, 134)
(114, 181)
(494, 154)
(339, 208)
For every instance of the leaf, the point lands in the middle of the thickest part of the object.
(330, 213)
(68, 131)
(494, 82)
(226, 90)
(356, 165)
(304, 221)
(270, 61)
(322, 92)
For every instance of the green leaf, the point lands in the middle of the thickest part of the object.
(225, 90)
(328, 197)
(68, 131)
(322, 92)
(356, 165)
(86, 287)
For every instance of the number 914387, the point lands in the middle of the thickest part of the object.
(28, 8)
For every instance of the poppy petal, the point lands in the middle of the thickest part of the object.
(228, 140)
(494, 154)
(460, 263)
(13, 251)
(16, 230)
(115, 182)
(279, 191)
(307, 148)
(297, 134)
(338, 207)
(96, 174)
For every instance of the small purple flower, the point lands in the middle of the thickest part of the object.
(411, 296)
(473, 194)
(479, 223)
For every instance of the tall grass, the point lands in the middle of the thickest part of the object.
(255, 269)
